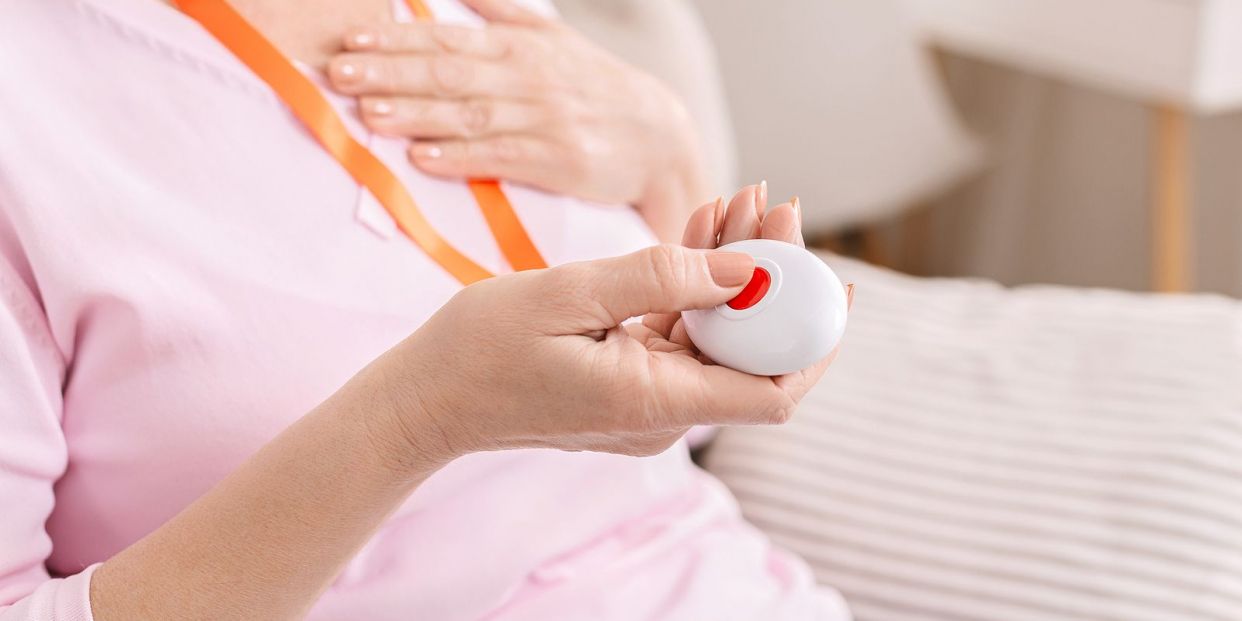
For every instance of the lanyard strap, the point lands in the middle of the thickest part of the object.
(306, 102)
(514, 243)
(421, 11)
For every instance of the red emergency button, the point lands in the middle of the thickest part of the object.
(754, 291)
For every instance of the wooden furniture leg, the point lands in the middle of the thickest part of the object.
(1171, 200)
(873, 247)
(916, 240)
(867, 243)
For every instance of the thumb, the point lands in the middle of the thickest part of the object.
(660, 279)
(506, 11)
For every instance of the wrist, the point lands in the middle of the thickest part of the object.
(402, 421)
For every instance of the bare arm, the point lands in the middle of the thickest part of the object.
(266, 541)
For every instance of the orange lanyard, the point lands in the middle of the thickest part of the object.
(420, 10)
(310, 106)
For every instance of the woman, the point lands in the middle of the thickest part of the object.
(205, 414)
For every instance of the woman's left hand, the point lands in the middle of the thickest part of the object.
(530, 100)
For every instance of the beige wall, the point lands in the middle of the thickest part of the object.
(1065, 197)
(836, 102)
(819, 91)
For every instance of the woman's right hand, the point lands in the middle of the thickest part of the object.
(536, 359)
(543, 359)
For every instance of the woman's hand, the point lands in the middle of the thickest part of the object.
(536, 359)
(542, 358)
(530, 100)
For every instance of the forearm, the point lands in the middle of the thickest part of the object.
(266, 541)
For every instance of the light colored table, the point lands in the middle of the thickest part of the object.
(1182, 57)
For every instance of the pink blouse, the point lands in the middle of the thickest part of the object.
(184, 272)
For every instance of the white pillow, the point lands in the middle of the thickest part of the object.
(1041, 453)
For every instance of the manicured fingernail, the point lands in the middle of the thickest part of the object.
(730, 269)
(718, 217)
(363, 39)
(423, 151)
(849, 296)
(797, 205)
(348, 73)
(761, 197)
(380, 107)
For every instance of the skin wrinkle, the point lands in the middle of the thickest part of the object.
(586, 123)
(633, 393)
(237, 552)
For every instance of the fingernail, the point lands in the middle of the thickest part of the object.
(348, 73)
(423, 151)
(761, 197)
(364, 39)
(730, 269)
(849, 296)
(797, 205)
(380, 107)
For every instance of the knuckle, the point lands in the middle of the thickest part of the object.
(668, 266)
(509, 149)
(388, 76)
(783, 413)
(561, 287)
(577, 163)
(569, 282)
(475, 152)
(419, 113)
(451, 75)
(476, 116)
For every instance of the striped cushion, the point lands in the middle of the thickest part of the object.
(981, 453)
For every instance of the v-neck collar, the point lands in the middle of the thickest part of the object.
(171, 32)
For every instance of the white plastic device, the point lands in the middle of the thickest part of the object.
(788, 317)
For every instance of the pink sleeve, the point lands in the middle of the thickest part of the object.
(33, 454)
(62, 599)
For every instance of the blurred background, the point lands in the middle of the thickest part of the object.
(981, 452)
(1026, 141)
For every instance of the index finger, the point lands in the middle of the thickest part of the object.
(427, 38)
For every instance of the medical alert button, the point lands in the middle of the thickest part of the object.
(788, 317)
(754, 290)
